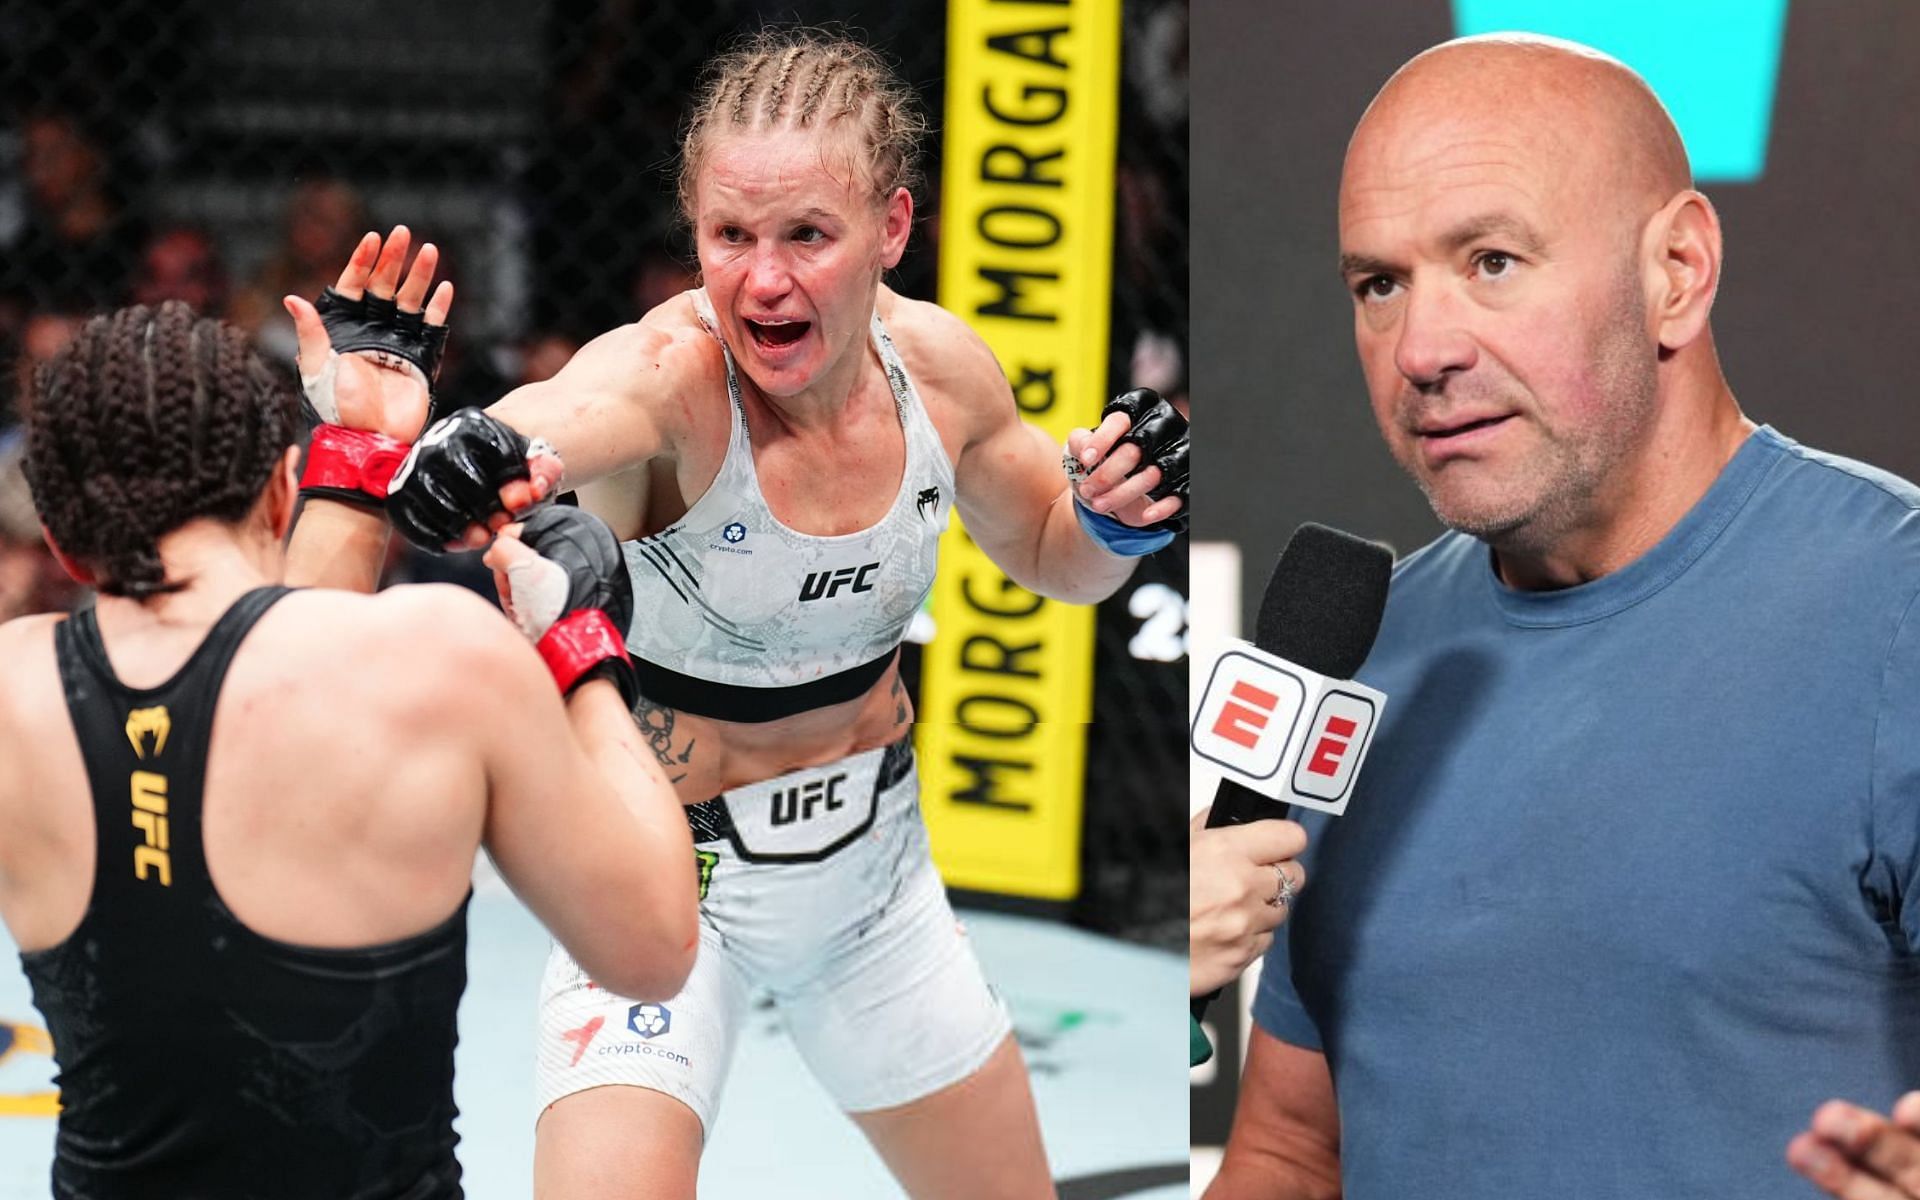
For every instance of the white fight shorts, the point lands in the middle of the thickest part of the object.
(818, 888)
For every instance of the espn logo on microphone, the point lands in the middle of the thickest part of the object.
(1284, 731)
(1336, 741)
(1248, 714)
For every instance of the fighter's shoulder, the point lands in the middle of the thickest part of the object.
(947, 360)
(24, 631)
(24, 643)
(666, 351)
(429, 637)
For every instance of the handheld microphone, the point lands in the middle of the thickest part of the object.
(1280, 717)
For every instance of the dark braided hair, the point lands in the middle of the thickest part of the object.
(151, 418)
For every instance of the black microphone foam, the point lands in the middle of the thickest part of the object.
(1322, 607)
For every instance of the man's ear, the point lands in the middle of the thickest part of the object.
(1683, 259)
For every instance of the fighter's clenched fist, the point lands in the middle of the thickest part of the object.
(1129, 474)
(564, 582)
(471, 471)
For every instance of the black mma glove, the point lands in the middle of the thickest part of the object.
(575, 600)
(378, 327)
(1161, 433)
(355, 465)
(452, 478)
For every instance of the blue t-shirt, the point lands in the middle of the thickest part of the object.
(1631, 880)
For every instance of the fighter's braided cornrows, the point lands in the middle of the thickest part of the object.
(151, 418)
(807, 79)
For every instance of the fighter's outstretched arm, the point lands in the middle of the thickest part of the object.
(602, 413)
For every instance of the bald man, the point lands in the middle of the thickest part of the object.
(1632, 881)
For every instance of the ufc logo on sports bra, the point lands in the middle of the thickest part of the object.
(827, 584)
(798, 803)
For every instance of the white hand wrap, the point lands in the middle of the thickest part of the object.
(319, 388)
(539, 589)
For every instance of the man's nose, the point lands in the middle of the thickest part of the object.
(1433, 338)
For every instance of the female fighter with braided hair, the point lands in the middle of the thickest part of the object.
(237, 823)
(784, 446)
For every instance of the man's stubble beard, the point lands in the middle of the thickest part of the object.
(1553, 492)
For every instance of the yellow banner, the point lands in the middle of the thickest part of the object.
(1026, 238)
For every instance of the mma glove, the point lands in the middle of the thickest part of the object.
(575, 600)
(452, 478)
(355, 465)
(1158, 429)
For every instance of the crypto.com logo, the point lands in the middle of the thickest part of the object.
(1714, 63)
(649, 1020)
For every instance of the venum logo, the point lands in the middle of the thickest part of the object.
(827, 584)
(798, 803)
(142, 722)
(929, 498)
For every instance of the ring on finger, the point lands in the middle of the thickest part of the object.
(1284, 897)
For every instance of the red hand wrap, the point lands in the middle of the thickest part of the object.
(577, 643)
(353, 460)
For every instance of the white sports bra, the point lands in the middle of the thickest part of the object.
(738, 617)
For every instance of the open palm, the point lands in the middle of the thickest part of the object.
(370, 390)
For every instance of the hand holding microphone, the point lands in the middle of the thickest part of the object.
(1242, 880)
(1278, 717)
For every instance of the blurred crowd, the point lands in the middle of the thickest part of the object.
(79, 244)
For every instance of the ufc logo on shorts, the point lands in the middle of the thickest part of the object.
(1247, 717)
(827, 584)
(798, 803)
